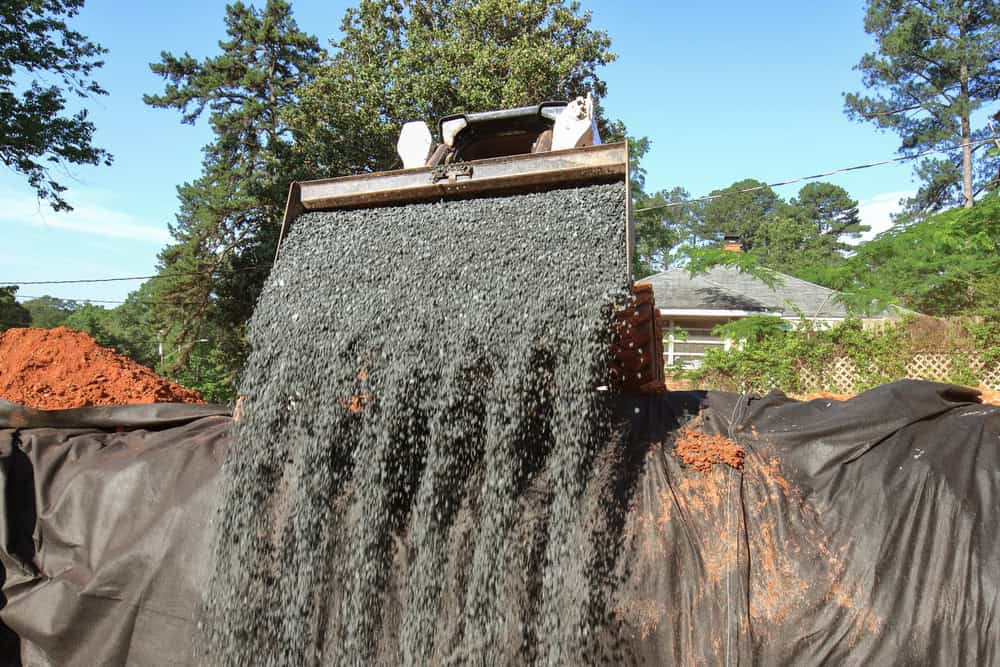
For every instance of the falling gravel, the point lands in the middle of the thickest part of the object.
(421, 475)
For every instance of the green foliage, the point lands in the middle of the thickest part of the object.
(752, 329)
(130, 329)
(761, 359)
(985, 331)
(741, 210)
(283, 110)
(36, 133)
(134, 329)
(206, 372)
(879, 356)
(832, 211)
(788, 241)
(770, 354)
(12, 314)
(662, 220)
(659, 231)
(700, 260)
(226, 230)
(945, 265)
(403, 60)
(804, 237)
(48, 312)
(97, 322)
(936, 64)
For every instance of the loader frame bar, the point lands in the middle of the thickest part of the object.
(591, 165)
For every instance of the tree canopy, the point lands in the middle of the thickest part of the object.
(739, 210)
(282, 109)
(49, 312)
(12, 314)
(945, 265)
(42, 61)
(404, 60)
(937, 63)
(226, 229)
(805, 236)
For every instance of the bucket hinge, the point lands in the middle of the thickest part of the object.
(450, 172)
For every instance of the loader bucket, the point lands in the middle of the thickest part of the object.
(512, 174)
(637, 356)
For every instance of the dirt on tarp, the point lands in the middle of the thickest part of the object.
(55, 369)
(701, 451)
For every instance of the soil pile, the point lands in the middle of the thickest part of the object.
(55, 369)
(701, 451)
(989, 395)
(458, 513)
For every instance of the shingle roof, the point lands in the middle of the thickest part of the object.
(725, 288)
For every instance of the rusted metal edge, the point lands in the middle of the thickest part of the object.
(629, 221)
(504, 175)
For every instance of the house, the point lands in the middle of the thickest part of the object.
(693, 305)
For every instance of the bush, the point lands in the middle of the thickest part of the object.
(771, 354)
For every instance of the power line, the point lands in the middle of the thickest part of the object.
(78, 281)
(68, 298)
(84, 300)
(800, 179)
(790, 181)
(259, 267)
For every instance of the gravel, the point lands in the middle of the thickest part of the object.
(458, 517)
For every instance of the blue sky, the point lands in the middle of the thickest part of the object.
(725, 90)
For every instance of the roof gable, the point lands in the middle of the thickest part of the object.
(726, 288)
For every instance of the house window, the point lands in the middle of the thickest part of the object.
(687, 342)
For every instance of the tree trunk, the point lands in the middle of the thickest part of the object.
(966, 138)
(967, 162)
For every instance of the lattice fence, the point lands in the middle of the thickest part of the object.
(840, 376)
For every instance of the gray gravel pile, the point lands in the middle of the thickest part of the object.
(462, 515)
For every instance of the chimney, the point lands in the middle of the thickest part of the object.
(732, 243)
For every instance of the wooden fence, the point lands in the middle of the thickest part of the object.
(840, 376)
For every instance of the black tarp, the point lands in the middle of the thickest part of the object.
(862, 532)
(105, 530)
(859, 532)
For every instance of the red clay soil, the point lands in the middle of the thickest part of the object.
(991, 396)
(54, 369)
(986, 395)
(701, 451)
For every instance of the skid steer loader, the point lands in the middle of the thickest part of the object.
(548, 146)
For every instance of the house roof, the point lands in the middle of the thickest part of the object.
(724, 288)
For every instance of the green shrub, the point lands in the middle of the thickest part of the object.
(769, 353)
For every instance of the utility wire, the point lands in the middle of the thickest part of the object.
(81, 280)
(84, 300)
(250, 269)
(68, 298)
(800, 179)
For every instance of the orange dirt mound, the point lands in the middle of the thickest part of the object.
(986, 395)
(53, 369)
(991, 396)
(700, 450)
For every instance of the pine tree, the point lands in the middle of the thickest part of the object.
(226, 229)
(831, 211)
(937, 65)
